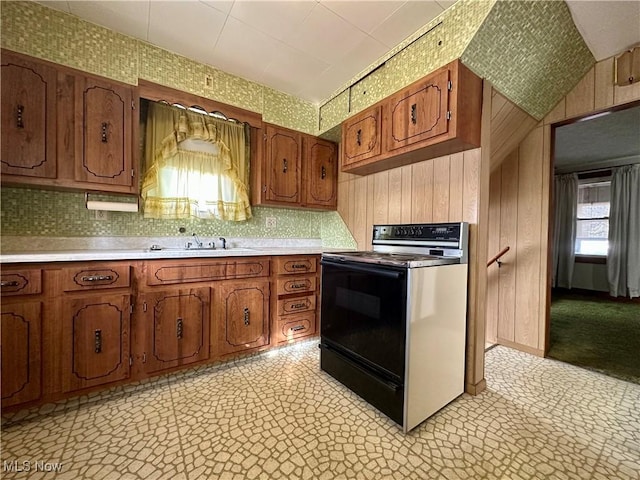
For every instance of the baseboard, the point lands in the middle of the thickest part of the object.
(475, 389)
(523, 348)
(593, 293)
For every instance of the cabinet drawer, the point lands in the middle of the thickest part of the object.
(248, 268)
(290, 285)
(82, 278)
(293, 327)
(290, 306)
(21, 282)
(166, 273)
(288, 265)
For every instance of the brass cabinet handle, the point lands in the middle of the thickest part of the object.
(246, 316)
(96, 278)
(298, 305)
(179, 327)
(359, 137)
(323, 172)
(299, 265)
(19, 121)
(97, 339)
(297, 328)
(414, 117)
(284, 165)
(104, 132)
(9, 283)
(295, 286)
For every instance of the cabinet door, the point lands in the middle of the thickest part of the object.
(362, 136)
(418, 113)
(176, 324)
(103, 132)
(244, 322)
(96, 340)
(283, 153)
(28, 118)
(21, 357)
(321, 172)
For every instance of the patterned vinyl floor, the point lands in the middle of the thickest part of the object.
(277, 416)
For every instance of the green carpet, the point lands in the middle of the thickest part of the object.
(597, 334)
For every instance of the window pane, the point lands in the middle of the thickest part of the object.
(593, 210)
(591, 247)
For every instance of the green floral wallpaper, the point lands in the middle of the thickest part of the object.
(531, 52)
(30, 212)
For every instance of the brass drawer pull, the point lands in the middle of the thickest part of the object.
(96, 278)
(414, 117)
(323, 172)
(179, 328)
(9, 283)
(97, 337)
(246, 316)
(285, 166)
(295, 286)
(359, 137)
(104, 132)
(299, 305)
(300, 265)
(297, 328)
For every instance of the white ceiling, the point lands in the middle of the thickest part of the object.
(310, 48)
(604, 140)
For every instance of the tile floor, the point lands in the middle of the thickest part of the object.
(277, 416)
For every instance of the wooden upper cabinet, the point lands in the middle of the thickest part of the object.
(418, 112)
(283, 155)
(435, 116)
(28, 117)
(103, 149)
(297, 170)
(362, 136)
(320, 173)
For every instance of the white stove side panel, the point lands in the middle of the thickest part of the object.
(436, 337)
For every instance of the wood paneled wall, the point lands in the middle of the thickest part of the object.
(443, 189)
(519, 207)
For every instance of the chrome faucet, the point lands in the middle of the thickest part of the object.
(224, 242)
(197, 241)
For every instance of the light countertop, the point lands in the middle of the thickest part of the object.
(146, 254)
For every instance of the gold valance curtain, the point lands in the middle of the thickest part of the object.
(196, 166)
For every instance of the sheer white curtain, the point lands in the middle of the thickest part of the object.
(564, 233)
(623, 259)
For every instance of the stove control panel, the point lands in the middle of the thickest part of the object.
(433, 232)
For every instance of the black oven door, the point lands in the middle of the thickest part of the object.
(363, 315)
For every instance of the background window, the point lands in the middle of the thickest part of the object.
(593, 218)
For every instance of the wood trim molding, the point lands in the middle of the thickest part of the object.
(156, 92)
(523, 348)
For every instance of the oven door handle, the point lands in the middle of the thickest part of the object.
(361, 268)
(394, 387)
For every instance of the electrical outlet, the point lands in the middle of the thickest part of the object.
(102, 215)
(270, 222)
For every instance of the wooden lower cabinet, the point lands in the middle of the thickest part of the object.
(95, 340)
(176, 327)
(21, 352)
(243, 315)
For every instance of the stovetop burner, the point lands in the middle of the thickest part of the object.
(406, 260)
